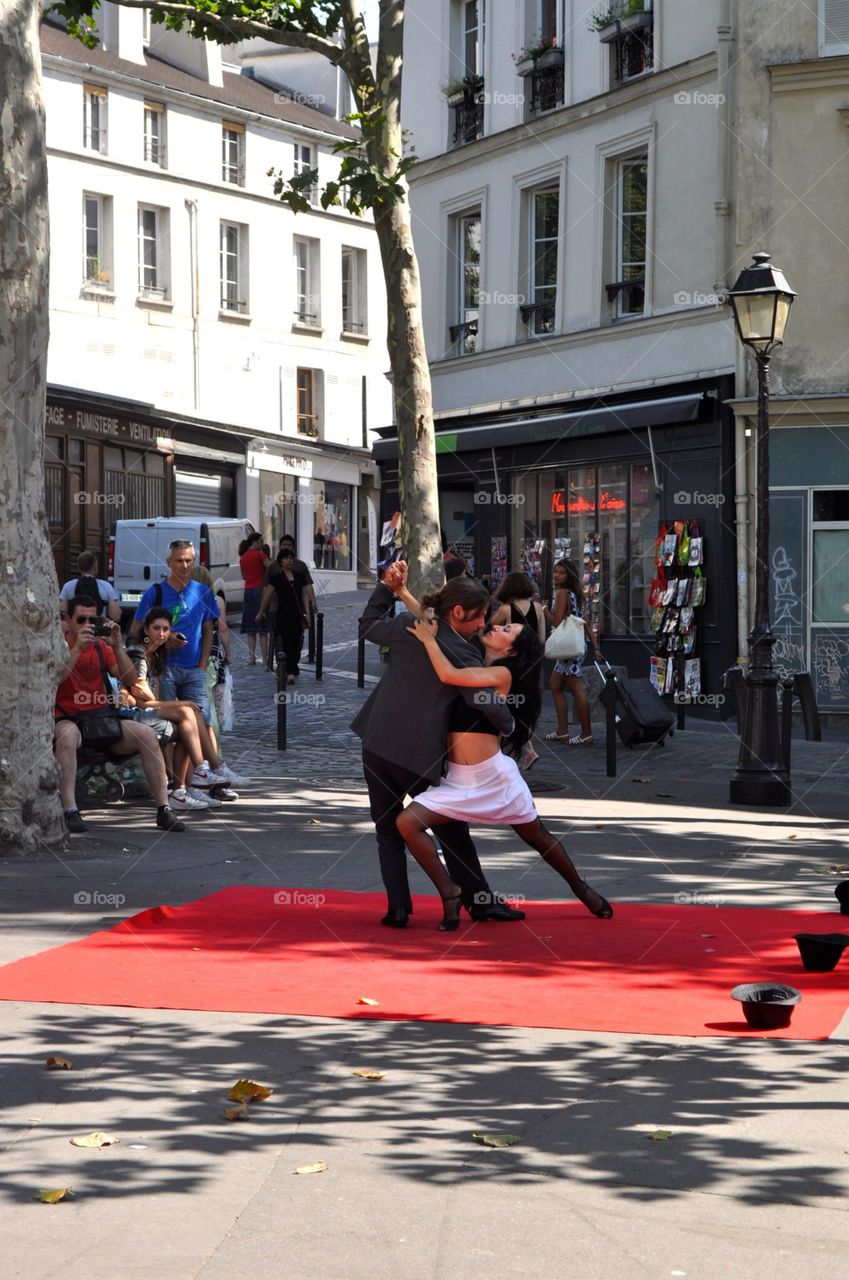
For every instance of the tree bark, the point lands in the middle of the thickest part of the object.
(30, 642)
(419, 497)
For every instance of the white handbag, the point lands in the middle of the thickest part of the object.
(568, 640)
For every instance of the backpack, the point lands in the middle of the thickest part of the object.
(86, 588)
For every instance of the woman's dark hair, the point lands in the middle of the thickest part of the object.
(454, 567)
(465, 592)
(158, 660)
(516, 586)
(525, 666)
(251, 540)
(573, 579)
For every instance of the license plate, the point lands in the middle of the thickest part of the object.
(131, 597)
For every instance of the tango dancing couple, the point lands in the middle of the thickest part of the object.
(447, 694)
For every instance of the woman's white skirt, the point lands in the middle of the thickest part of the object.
(492, 793)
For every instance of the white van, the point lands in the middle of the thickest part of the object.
(137, 551)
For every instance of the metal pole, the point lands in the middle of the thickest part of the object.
(786, 721)
(361, 663)
(319, 645)
(282, 700)
(761, 776)
(610, 724)
(311, 638)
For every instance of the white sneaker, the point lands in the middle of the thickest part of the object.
(205, 776)
(209, 801)
(184, 800)
(227, 775)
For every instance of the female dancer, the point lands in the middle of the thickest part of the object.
(516, 603)
(568, 599)
(481, 784)
(194, 746)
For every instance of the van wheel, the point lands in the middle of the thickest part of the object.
(114, 790)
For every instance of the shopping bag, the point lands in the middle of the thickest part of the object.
(567, 641)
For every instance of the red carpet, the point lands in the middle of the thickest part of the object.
(651, 970)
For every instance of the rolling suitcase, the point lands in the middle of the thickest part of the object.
(639, 711)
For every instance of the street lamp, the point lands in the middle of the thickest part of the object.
(761, 301)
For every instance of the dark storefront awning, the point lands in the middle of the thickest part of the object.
(620, 417)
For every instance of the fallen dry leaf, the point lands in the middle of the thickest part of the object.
(312, 1168)
(249, 1091)
(53, 1197)
(55, 1063)
(496, 1139)
(792, 837)
(599, 826)
(94, 1140)
(369, 1075)
(366, 1000)
(236, 1113)
(660, 1135)
(315, 822)
(641, 779)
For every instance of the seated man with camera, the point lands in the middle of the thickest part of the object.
(86, 712)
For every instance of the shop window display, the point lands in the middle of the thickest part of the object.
(332, 524)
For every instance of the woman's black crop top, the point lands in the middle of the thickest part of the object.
(466, 719)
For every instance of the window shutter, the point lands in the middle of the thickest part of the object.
(834, 26)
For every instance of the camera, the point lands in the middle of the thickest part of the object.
(178, 635)
(102, 626)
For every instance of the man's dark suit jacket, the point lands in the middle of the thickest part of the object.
(406, 717)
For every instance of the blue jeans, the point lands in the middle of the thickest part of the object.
(185, 684)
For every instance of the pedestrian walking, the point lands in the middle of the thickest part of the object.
(568, 673)
(253, 563)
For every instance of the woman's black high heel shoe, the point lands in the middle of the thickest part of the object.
(604, 911)
(451, 913)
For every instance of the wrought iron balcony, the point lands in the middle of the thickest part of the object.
(465, 335)
(468, 114)
(547, 88)
(538, 316)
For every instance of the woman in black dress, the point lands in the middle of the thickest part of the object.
(287, 583)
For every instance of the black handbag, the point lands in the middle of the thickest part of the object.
(101, 728)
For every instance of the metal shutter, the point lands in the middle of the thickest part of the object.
(197, 495)
(835, 26)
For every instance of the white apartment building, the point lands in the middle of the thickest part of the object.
(211, 352)
(571, 217)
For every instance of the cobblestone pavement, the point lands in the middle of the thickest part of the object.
(322, 751)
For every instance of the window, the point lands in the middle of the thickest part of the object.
(97, 264)
(465, 331)
(604, 519)
(152, 255)
(834, 27)
(234, 268)
(304, 163)
(540, 306)
(307, 291)
(332, 532)
(628, 31)
(473, 30)
(547, 19)
(135, 481)
(154, 133)
(94, 118)
(307, 417)
(233, 154)
(630, 214)
(354, 296)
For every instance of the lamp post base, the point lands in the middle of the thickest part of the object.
(766, 788)
(761, 777)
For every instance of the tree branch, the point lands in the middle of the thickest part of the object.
(242, 28)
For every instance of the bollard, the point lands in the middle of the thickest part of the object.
(319, 645)
(681, 698)
(361, 663)
(311, 638)
(786, 720)
(282, 700)
(804, 689)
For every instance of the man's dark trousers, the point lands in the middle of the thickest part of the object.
(388, 784)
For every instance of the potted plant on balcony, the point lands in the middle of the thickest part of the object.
(97, 278)
(454, 92)
(620, 17)
(540, 52)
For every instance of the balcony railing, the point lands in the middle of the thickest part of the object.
(465, 336)
(632, 40)
(538, 316)
(308, 425)
(547, 88)
(468, 114)
(630, 296)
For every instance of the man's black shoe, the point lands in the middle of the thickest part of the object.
(496, 912)
(167, 820)
(396, 918)
(74, 822)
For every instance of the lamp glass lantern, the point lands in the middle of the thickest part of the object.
(761, 300)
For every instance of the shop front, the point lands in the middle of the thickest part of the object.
(312, 495)
(104, 461)
(607, 487)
